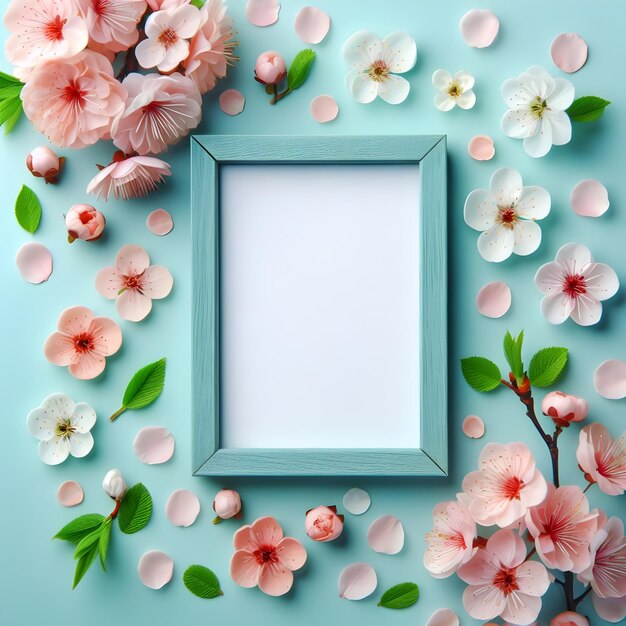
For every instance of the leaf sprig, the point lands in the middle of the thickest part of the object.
(298, 72)
(10, 101)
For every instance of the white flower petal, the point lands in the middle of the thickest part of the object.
(465, 79)
(400, 52)
(356, 501)
(549, 278)
(562, 95)
(527, 237)
(557, 308)
(442, 80)
(58, 405)
(41, 425)
(54, 451)
(480, 209)
(443, 617)
(519, 124)
(573, 257)
(386, 535)
(81, 444)
(394, 90)
(149, 53)
(84, 418)
(466, 100)
(186, 21)
(362, 87)
(515, 94)
(362, 49)
(561, 127)
(539, 144)
(587, 311)
(174, 55)
(534, 203)
(444, 102)
(496, 244)
(602, 281)
(357, 581)
(506, 186)
(542, 83)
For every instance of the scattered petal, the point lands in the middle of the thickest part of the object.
(473, 427)
(481, 148)
(609, 379)
(182, 508)
(155, 569)
(569, 52)
(324, 109)
(357, 581)
(494, 299)
(160, 222)
(232, 102)
(70, 493)
(357, 501)
(262, 12)
(479, 28)
(312, 24)
(34, 263)
(386, 535)
(154, 445)
(590, 198)
(443, 617)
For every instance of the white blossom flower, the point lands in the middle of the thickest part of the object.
(575, 286)
(454, 90)
(114, 484)
(62, 427)
(505, 214)
(374, 63)
(537, 104)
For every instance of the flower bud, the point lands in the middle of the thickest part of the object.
(569, 618)
(323, 524)
(44, 163)
(114, 485)
(227, 504)
(270, 68)
(84, 222)
(564, 408)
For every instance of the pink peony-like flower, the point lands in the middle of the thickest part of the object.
(74, 101)
(323, 523)
(44, 163)
(227, 504)
(562, 528)
(160, 111)
(134, 283)
(610, 609)
(43, 30)
(212, 48)
(112, 24)
(569, 618)
(84, 222)
(564, 408)
(505, 486)
(82, 342)
(502, 582)
(270, 68)
(451, 542)
(264, 557)
(602, 458)
(128, 177)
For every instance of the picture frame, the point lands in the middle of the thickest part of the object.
(210, 156)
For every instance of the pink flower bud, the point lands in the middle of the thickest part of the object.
(227, 504)
(569, 618)
(44, 163)
(84, 222)
(564, 408)
(270, 68)
(323, 524)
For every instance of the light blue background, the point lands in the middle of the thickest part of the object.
(36, 573)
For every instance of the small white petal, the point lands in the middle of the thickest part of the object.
(442, 79)
(356, 501)
(357, 581)
(561, 127)
(386, 535)
(549, 278)
(496, 244)
(394, 90)
(466, 100)
(400, 52)
(527, 237)
(480, 209)
(506, 186)
(155, 569)
(557, 308)
(602, 281)
(539, 144)
(587, 311)
(83, 418)
(81, 444)
(54, 451)
(41, 425)
(519, 124)
(362, 87)
(465, 79)
(444, 102)
(515, 94)
(562, 95)
(574, 257)
(58, 405)
(534, 204)
(443, 617)
(362, 49)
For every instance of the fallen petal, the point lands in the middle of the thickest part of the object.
(386, 535)
(569, 52)
(324, 109)
(34, 263)
(182, 508)
(160, 222)
(589, 198)
(443, 617)
(70, 493)
(154, 445)
(262, 12)
(481, 148)
(155, 569)
(356, 501)
(473, 427)
(232, 102)
(479, 28)
(357, 581)
(609, 379)
(312, 24)
(494, 299)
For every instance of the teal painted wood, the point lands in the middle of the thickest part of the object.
(208, 153)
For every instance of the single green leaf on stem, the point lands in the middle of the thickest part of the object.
(546, 366)
(202, 582)
(79, 527)
(587, 109)
(300, 68)
(103, 542)
(513, 354)
(28, 209)
(400, 596)
(481, 374)
(135, 509)
(144, 387)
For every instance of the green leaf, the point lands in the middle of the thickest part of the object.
(587, 109)
(480, 373)
(11, 121)
(400, 596)
(86, 543)
(513, 354)
(28, 209)
(6, 79)
(79, 527)
(300, 67)
(103, 542)
(202, 582)
(135, 509)
(84, 563)
(144, 387)
(197, 3)
(546, 366)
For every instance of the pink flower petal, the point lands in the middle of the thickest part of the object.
(590, 198)
(481, 148)
(133, 306)
(262, 12)
(182, 508)
(479, 28)
(107, 335)
(245, 569)
(386, 535)
(59, 349)
(569, 52)
(157, 282)
(155, 569)
(291, 553)
(70, 493)
(232, 102)
(132, 259)
(154, 445)
(494, 299)
(357, 581)
(87, 366)
(609, 379)
(356, 501)
(266, 530)
(324, 109)
(109, 282)
(443, 617)
(160, 222)
(34, 263)
(75, 320)
(312, 24)
(473, 427)
(275, 579)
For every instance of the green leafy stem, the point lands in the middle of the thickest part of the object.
(297, 74)
(10, 101)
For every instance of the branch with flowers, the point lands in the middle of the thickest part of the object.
(540, 525)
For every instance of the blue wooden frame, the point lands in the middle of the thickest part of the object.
(208, 153)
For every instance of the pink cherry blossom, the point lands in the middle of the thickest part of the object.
(603, 459)
(264, 557)
(212, 48)
(451, 542)
(323, 523)
(84, 222)
(610, 609)
(134, 283)
(505, 485)
(167, 33)
(160, 110)
(564, 408)
(43, 30)
(128, 177)
(112, 24)
(562, 528)
(82, 342)
(569, 618)
(74, 101)
(501, 581)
